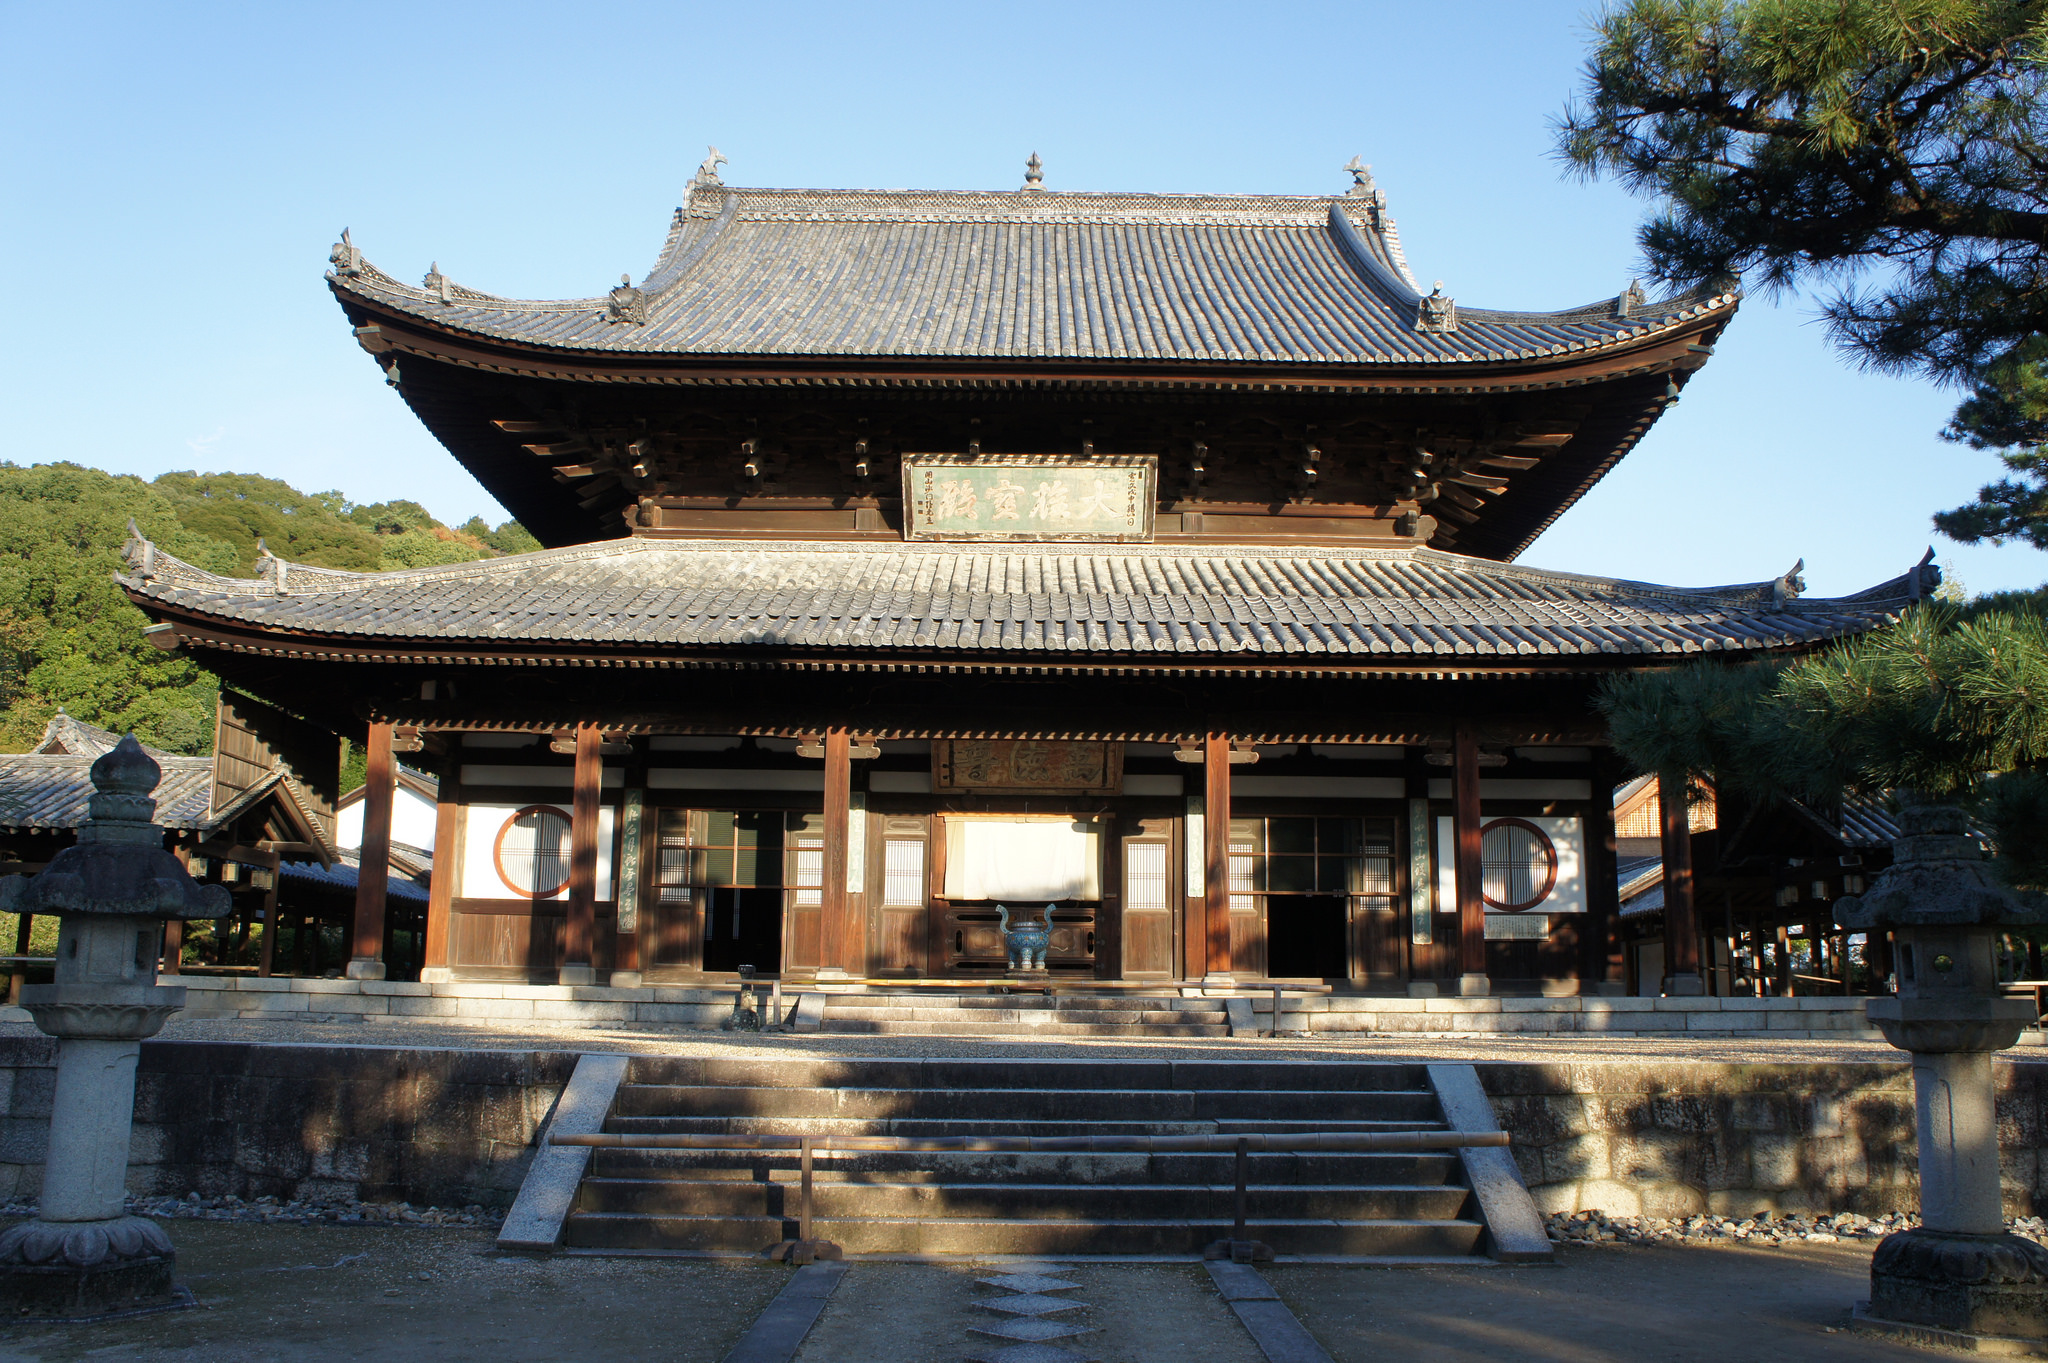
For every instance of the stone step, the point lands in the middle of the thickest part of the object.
(988, 1126)
(644, 1101)
(862, 1026)
(1030, 1017)
(994, 1167)
(1031, 1002)
(1102, 1202)
(754, 1071)
(1362, 1238)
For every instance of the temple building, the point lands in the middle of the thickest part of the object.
(920, 560)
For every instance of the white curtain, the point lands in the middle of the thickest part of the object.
(1023, 861)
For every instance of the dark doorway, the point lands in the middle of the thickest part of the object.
(1305, 937)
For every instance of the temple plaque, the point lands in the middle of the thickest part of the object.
(1054, 766)
(1029, 497)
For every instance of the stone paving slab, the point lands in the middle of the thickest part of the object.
(1598, 1305)
(524, 1035)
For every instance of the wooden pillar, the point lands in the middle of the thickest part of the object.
(581, 929)
(24, 927)
(374, 863)
(841, 943)
(441, 883)
(1681, 921)
(1602, 969)
(1216, 854)
(1465, 824)
(267, 951)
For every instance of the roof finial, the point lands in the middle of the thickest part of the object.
(1362, 186)
(1630, 300)
(1437, 312)
(707, 173)
(344, 256)
(1034, 173)
(626, 304)
(1788, 587)
(436, 283)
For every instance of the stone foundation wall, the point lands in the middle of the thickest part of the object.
(1673, 1139)
(434, 1128)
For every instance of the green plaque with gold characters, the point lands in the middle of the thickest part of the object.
(1029, 497)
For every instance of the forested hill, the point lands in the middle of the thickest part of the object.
(70, 638)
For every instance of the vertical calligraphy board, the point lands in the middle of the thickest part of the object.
(1029, 497)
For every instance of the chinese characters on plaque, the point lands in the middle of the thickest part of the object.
(1013, 765)
(1028, 497)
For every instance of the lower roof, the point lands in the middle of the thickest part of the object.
(1046, 604)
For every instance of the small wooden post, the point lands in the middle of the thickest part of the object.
(373, 866)
(1216, 854)
(1681, 922)
(266, 953)
(23, 927)
(1473, 981)
(174, 947)
(581, 929)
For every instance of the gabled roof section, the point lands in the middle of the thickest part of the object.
(294, 805)
(1053, 604)
(65, 736)
(1027, 275)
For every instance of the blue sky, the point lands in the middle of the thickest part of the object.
(175, 174)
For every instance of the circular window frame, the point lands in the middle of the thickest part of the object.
(498, 851)
(1549, 850)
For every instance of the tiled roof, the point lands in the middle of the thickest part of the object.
(341, 879)
(1081, 602)
(49, 791)
(64, 735)
(1026, 275)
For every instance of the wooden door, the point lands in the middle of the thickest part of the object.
(1247, 905)
(897, 887)
(1149, 893)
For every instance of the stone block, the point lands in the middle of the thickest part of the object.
(1616, 1199)
(1759, 1112)
(1564, 1005)
(580, 1010)
(1440, 1005)
(257, 1004)
(1616, 1004)
(394, 988)
(539, 991)
(1701, 1003)
(1650, 1157)
(497, 1008)
(469, 989)
(1553, 1198)
(424, 1007)
(304, 986)
(258, 984)
(147, 1144)
(1775, 1162)
(1673, 1200)
(1576, 1158)
(1726, 1023)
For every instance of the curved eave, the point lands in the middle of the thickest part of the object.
(402, 332)
(195, 629)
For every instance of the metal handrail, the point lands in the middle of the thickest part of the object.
(1239, 1247)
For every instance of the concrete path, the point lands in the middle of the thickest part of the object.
(272, 1293)
(644, 1040)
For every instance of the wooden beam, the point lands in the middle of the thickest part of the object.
(580, 927)
(373, 867)
(1215, 926)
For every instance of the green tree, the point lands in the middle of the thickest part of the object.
(1951, 703)
(1894, 150)
(68, 636)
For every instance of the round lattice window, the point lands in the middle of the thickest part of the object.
(1517, 865)
(532, 852)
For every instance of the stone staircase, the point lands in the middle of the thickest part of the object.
(1351, 1205)
(1025, 1015)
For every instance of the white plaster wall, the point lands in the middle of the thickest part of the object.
(412, 822)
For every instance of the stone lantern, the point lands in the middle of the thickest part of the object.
(1960, 1271)
(82, 1255)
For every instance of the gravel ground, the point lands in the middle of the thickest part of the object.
(646, 1040)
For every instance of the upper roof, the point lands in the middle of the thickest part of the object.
(1028, 274)
(968, 604)
(65, 736)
